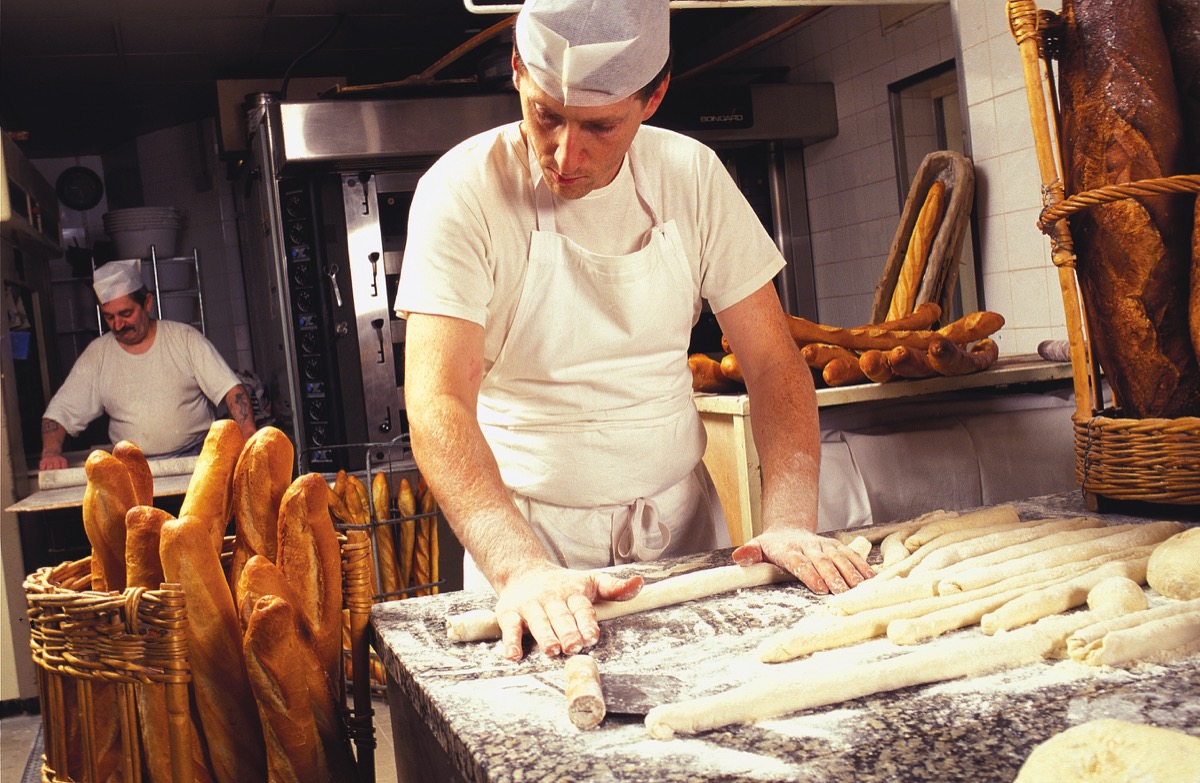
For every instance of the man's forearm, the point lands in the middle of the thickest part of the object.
(240, 409)
(53, 438)
(457, 462)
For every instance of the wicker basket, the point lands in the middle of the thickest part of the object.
(89, 645)
(1150, 460)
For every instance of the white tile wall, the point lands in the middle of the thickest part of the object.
(854, 206)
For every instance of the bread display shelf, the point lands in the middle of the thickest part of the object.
(1138, 459)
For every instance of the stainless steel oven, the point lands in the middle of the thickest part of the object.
(323, 203)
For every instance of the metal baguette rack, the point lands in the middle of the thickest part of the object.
(1154, 460)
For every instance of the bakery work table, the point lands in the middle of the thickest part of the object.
(461, 712)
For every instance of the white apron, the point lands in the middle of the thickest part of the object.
(588, 406)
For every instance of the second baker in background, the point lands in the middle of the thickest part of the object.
(553, 272)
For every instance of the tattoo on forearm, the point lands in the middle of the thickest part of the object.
(49, 426)
(240, 409)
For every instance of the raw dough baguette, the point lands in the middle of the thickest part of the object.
(139, 471)
(892, 550)
(948, 556)
(874, 594)
(876, 533)
(916, 256)
(813, 683)
(908, 564)
(106, 500)
(479, 625)
(310, 559)
(985, 517)
(1085, 645)
(1121, 542)
(585, 697)
(1037, 544)
(385, 545)
(1059, 598)
(1121, 122)
(294, 754)
(261, 475)
(222, 691)
(209, 494)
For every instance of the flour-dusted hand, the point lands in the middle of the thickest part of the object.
(824, 564)
(555, 606)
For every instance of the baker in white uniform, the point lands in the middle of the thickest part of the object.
(553, 271)
(157, 380)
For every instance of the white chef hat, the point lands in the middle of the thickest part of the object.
(593, 52)
(116, 279)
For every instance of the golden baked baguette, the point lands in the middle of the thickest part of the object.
(385, 545)
(310, 559)
(209, 494)
(406, 503)
(916, 256)
(106, 500)
(271, 646)
(258, 578)
(260, 477)
(222, 691)
(143, 531)
(139, 471)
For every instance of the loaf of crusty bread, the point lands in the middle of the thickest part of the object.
(139, 471)
(258, 578)
(272, 646)
(209, 494)
(912, 270)
(260, 477)
(1121, 123)
(143, 532)
(222, 690)
(406, 504)
(310, 559)
(107, 498)
(385, 544)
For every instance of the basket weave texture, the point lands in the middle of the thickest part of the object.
(1150, 459)
(87, 643)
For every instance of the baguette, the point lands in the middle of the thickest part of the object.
(916, 256)
(874, 364)
(406, 503)
(731, 368)
(139, 471)
(310, 559)
(909, 363)
(706, 375)
(971, 327)
(923, 316)
(106, 500)
(1121, 122)
(209, 494)
(143, 531)
(843, 371)
(221, 687)
(385, 545)
(260, 577)
(817, 355)
(950, 358)
(261, 475)
(428, 533)
(271, 646)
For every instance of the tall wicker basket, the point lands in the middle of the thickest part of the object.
(87, 642)
(1149, 460)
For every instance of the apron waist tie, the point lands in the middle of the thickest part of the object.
(638, 532)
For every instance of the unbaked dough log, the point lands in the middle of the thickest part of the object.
(985, 517)
(1058, 598)
(1118, 594)
(1112, 750)
(826, 632)
(481, 625)
(585, 697)
(1042, 544)
(860, 546)
(950, 538)
(876, 533)
(873, 594)
(892, 550)
(982, 545)
(1139, 535)
(1148, 634)
(812, 683)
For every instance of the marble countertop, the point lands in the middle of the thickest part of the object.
(500, 721)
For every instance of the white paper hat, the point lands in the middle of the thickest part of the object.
(593, 52)
(116, 279)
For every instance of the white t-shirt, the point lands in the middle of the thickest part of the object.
(158, 400)
(473, 213)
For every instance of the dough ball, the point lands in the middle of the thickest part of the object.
(861, 546)
(1113, 751)
(1117, 595)
(1174, 567)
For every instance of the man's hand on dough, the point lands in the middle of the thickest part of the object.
(824, 564)
(555, 605)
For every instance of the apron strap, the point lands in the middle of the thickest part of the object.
(638, 532)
